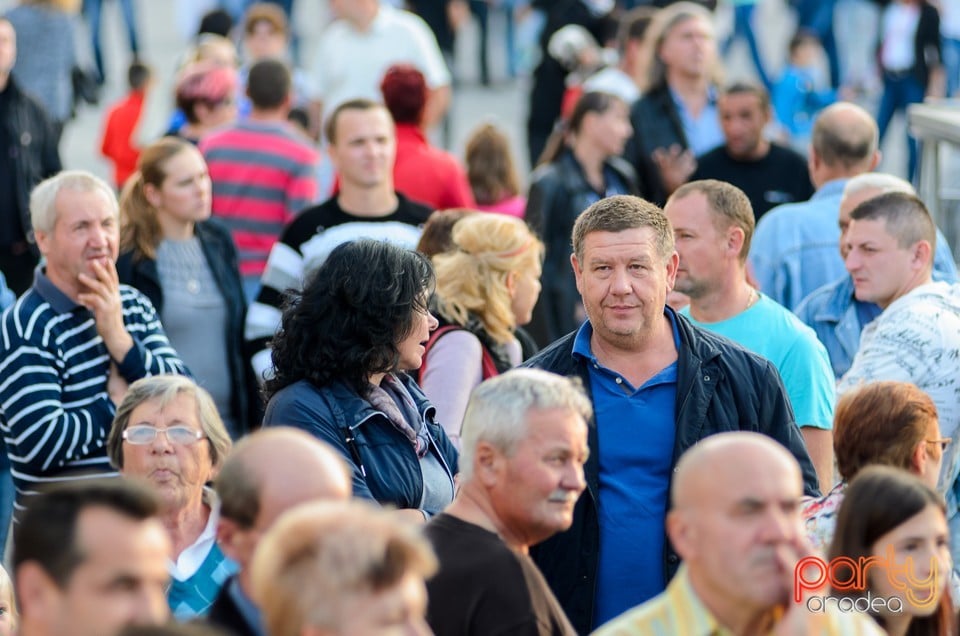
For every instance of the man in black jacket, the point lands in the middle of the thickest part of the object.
(659, 385)
(28, 155)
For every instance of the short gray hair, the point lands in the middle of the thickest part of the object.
(879, 181)
(498, 408)
(43, 198)
(166, 388)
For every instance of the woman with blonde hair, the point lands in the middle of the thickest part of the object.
(186, 264)
(487, 286)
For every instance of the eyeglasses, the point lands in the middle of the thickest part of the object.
(943, 443)
(143, 434)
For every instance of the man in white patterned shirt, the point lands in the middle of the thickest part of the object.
(916, 339)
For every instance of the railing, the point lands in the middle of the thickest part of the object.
(937, 127)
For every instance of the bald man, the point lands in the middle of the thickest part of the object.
(794, 248)
(832, 310)
(268, 473)
(736, 522)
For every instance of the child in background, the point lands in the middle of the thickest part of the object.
(491, 172)
(798, 95)
(121, 123)
(8, 605)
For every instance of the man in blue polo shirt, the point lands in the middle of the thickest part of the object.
(658, 385)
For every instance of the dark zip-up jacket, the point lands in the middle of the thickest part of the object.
(384, 464)
(720, 387)
(221, 255)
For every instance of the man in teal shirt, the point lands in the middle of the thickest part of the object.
(712, 224)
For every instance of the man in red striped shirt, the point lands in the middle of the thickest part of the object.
(263, 172)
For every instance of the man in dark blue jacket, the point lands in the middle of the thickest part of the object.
(659, 385)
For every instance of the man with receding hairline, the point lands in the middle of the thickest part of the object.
(266, 474)
(736, 522)
(833, 310)
(794, 248)
(889, 255)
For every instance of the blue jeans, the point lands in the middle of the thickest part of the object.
(743, 28)
(91, 13)
(899, 91)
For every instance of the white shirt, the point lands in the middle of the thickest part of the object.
(190, 560)
(350, 63)
(917, 339)
(899, 35)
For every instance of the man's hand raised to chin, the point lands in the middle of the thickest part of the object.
(103, 299)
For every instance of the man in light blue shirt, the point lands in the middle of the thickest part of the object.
(795, 247)
(833, 310)
(713, 224)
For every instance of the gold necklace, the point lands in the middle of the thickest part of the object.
(752, 298)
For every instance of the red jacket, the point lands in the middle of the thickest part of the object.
(117, 144)
(427, 174)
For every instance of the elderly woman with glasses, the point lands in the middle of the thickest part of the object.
(167, 431)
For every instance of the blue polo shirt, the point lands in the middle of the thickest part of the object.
(636, 427)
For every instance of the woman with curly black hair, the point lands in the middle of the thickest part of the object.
(339, 360)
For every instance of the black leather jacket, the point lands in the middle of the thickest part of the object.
(32, 151)
(221, 255)
(720, 387)
(656, 124)
(559, 192)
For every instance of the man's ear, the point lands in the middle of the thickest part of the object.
(681, 533)
(229, 537)
(918, 458)
(922, 254)
(735, 238)
(488, 463)
(37, 592)
(577, 272)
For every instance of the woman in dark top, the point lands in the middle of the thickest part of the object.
(580, 166)
(186, 264)
(340, 359)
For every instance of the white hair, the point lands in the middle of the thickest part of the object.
(879, 181)
(43, 198)
(498, 408)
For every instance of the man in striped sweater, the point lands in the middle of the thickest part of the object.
(72, 344)
(263, 172)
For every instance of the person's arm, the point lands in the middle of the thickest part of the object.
(453, 370)
(284, 270)
(810, 384)
(43, 433)
(776, 420)
(301, 191)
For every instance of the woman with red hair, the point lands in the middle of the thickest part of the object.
(422, 172)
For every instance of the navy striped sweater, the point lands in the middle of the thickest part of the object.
(55, 413)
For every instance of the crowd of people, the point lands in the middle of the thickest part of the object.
(696, 378)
